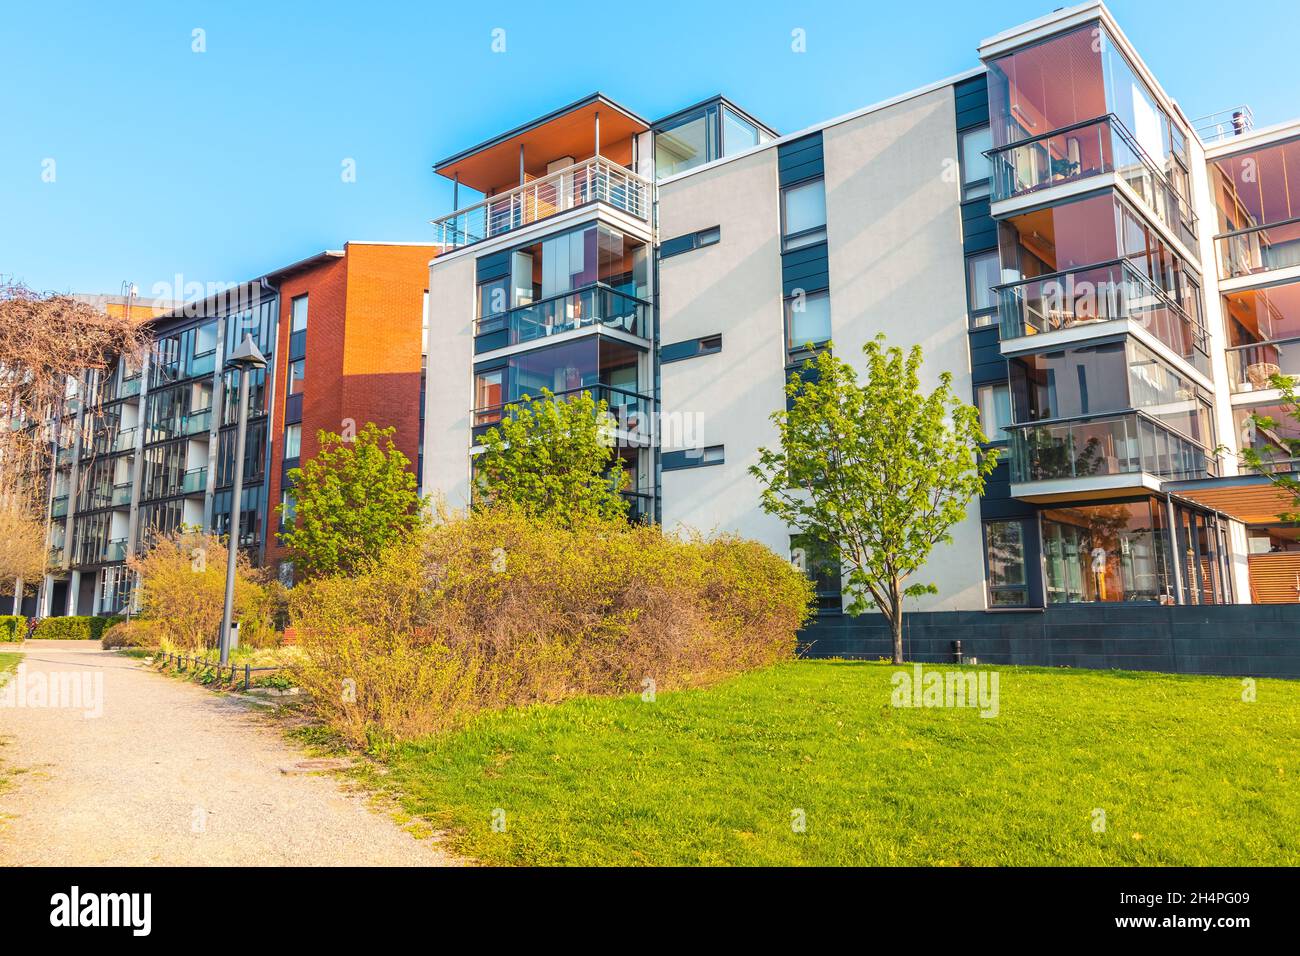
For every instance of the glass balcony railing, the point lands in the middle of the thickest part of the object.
(1259, 249)
(1251, 367)
(59, 507)
(641, 507)
(125, 440)
(593, 180)
(128, 387)
(122, 495)
(1131, 443)
(203, 364)
(197, 421)
(65, 456)
(1101, 293)
(1091, 148)
(56, 556)
(630, 411)
(115, 550)
(596, 305)
(195, 481)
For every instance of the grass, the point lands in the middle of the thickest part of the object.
(1185, 771)
(7, 664)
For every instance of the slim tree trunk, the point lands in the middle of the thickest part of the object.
(896, 619)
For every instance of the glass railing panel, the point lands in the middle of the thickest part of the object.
(115, 550)
(596, 305)
(59, 507)
(1259, 250)
(1251, 368)
(195, 480)
(203, 364)
(125, 440)
(630, 411)
(1117, 445)
(198, 421)
(128, 387)
(122, 494)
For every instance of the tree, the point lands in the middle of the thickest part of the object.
(877, 471)
(353, 500)
(1273, 452)
(22, 543)
(553, 459)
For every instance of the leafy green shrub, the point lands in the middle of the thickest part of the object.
(499, 609)
(75, 628)
(136, 633)
(13, 627)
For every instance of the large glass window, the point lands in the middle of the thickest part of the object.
(292, 441)
(1258, 187)
(1106, 554)
(994, 404)
(297, 376)
(803, 214)
(982, 274)
(689, 142)
(299, 314)
(1004, 550)
(738, 133)
(807, 321)
(975, 166)
(1069, 383)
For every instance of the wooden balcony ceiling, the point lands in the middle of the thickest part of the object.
(571, 131)
(1251, 499)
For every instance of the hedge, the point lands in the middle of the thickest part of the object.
(73, 628)
(13, 628)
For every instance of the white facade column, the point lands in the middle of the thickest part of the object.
(18, 595)
(74, 589)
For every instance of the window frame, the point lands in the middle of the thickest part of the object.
(799, 352)
(990, 589)
(293, 313)
(976, 188)
(1002, 433)
(296, 429)
(984, 316)
(793, 241)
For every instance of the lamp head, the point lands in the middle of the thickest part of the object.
(247, 357)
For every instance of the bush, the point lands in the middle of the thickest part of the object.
(183, 590)
(497, 609)
(136, 633)
(13, 627)
(74, 628)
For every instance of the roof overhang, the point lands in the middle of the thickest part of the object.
(568, 131)
(1250, 499)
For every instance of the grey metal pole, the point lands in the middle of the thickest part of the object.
(236, 510)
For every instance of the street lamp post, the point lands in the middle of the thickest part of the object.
(246, 360)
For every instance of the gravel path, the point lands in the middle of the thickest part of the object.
(173, 774)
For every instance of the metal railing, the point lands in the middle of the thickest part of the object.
(631, 410)
(1252, 367)
(1087, 149)
(1259, 249)
(1234, 121)
(1127, 443)
(1101, 293)
(594, 305)
(592, 180)
(190, 664)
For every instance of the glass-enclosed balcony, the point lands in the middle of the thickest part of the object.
(1260, 249)
(1103, 293)
(596, 305)
(594, 180)
(1084, 150)
(1132, 443)
(631, 411)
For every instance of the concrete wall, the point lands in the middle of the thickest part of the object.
(449, 382)
(725, 398)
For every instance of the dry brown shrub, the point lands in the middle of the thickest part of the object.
(496, 609)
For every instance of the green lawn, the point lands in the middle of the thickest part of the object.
(1186, 772)
(7, 663)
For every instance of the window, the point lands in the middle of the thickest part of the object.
(288, 510)
(994, 403)
(298, 308)
(976, 168)
(982, 274)
(297, 376)
(493, 297)
(803, 214)
(292, 441)
(694, 240)
(818, 562)
(205, 339)
(1108, 553)
(738, 133)
(1004, 550)
(807, 321)
(689, 143)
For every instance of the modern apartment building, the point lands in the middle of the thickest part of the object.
(143, 450)
(1111, 285)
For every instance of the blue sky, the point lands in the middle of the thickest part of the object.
(224, 164)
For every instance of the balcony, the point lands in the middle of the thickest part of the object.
(631, 411)
(122, 495)
(1091, 148)
(65, 456)
(56, 556)
(125, 440)
(1259, 249)
(595, 305)
(195, 481)
(594, 180)
(115, 550)
(1132, 443)
(129, 387)
(59, 507)
(1251, 367)
(641, 507)
(204, 364)
(197, 422)
(1108, 292)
